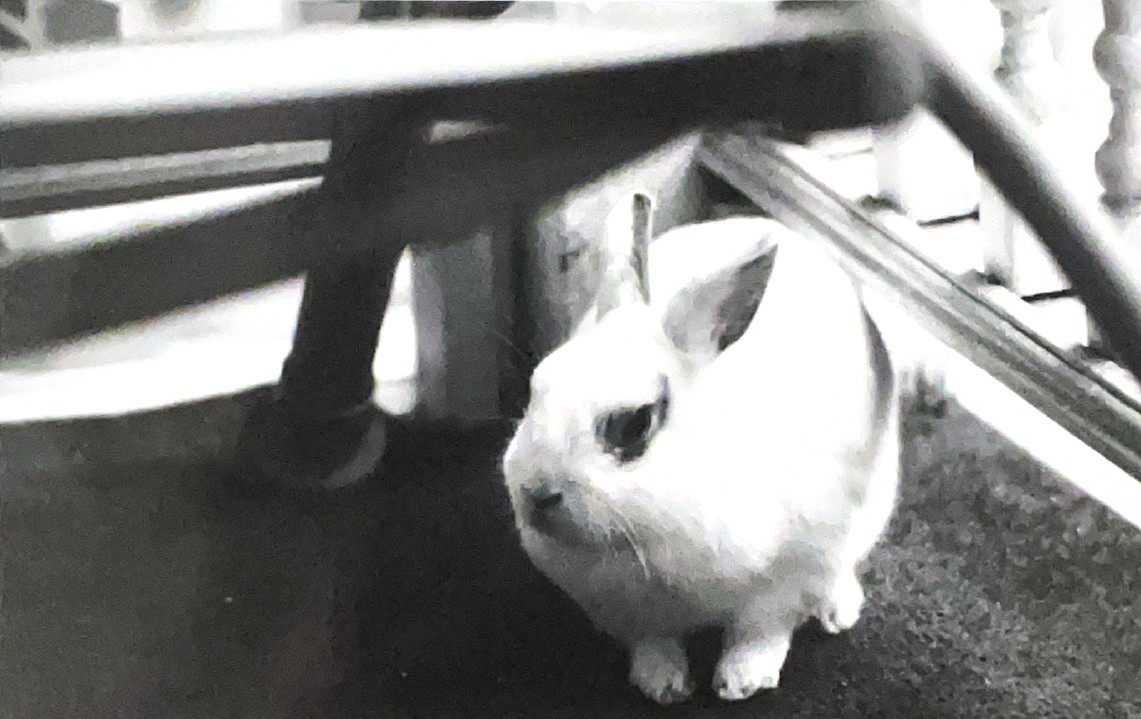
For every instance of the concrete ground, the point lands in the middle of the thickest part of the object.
(145, 588)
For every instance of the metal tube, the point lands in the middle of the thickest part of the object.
(54, 188)
(1085, 245)
(1077, 399)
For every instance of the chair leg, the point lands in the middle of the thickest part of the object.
(320, 429)
(329, 369)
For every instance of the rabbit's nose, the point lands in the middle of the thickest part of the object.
(544, 497)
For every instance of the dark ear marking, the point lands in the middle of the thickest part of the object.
(626, 432)
(710, 314)
(739, 308)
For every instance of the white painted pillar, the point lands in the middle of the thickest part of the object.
(920, 166)
(156, 19)
(463, 305)
(1117, 57)
(1030, 73)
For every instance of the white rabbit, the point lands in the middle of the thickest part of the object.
(702, 459)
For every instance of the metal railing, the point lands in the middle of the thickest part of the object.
(949, 307)
(558, 106)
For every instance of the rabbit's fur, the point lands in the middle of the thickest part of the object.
(737, 485)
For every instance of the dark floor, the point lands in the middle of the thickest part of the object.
(143, 589)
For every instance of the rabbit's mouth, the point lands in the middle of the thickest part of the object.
(562, 526)
(570, 514)
(569, 529)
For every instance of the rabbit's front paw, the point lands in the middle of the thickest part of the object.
(841, 610)
(748, 667)
(659, 668)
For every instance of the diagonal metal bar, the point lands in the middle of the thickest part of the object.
(40, 190)
(772, 176)
(1090, 251)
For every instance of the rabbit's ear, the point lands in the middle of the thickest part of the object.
(710, 313)
(623, 256)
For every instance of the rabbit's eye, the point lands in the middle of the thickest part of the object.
(626, 433)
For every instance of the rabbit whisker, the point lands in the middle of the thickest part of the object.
(637, 549)
(627, 530)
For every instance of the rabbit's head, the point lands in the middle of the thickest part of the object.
(589, 464)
